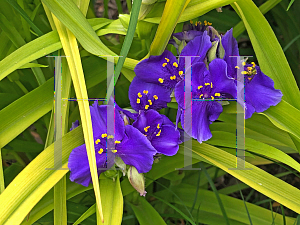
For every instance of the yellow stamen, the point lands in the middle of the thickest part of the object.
(139, 94)
(200, 95)
(164, 64)
(199, 23)
(138, 100)
(158, 126)
(168, 60)
(146, 106)
(237, 67)
(244, 72)
(206, 84)
(145, 92)
(155, 97)
(205, 22)
(199, 87)
(158, 134)
(217, 94)
(146, 128)
(160, 80)
(253, 64)
(104, 135)
(244, 63)
(100, 151)
(212, 97)
(211, 85)
(249, 78)
(209, 24)
(97, 141)
(114, 151)
(249, 68)
(175, 64)
(180, 73)
(117, 142)
(110, 136)
(150, 102)
(191, 21)
(173, 77)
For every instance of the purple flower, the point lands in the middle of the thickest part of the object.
(259, 91)
(207, 87)
(144, 95)
(159, 130)
(129, 144)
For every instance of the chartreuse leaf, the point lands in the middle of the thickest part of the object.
(69, 14)
(270, 56)
(111, 195)
(256, 178)
(226, 139)
(71, 50)
(23, 112)
(2, 187)
(264, 8)
(86, 214)
(172, 11)
(35, 180)
(235, 208)
(145, 213)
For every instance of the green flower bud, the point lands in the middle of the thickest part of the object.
(137, 180)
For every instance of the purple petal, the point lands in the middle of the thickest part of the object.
(157, 67)
(203, 114)
(167, 142)
(79, 165)
(230, 46)
(222, 83)
(196, 47)
(158, 95)
(149, 118)
(260, 93)
(187, 35)
(136, 150)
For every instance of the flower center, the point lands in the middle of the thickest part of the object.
(145, 99)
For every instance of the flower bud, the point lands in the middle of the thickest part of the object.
(137, 180)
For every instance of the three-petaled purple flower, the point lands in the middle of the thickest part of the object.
(208, 86)
(129, 144)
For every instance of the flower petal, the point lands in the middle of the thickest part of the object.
(158, 95)
(168, 141)
(149, 118)
(136, 150)
(230, 46)
(79, 165)
(260, 93)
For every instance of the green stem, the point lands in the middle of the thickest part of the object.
(2, 186)
(21, 86)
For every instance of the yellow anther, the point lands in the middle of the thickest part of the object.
(110, 137)
(145, 135)
(244, 72)
(206, 84)
(155, 97)
(139, 94)
(146, 128)
(244, 63)
(173, 77)
(150, 102)
(146, 106)
(158, 134)
(217, 94)
(249, 68)
(168, 60)
(97, 141)
(200, 95)
(191, 21)
(100, 151)
(249, 78)
(164, 64)
(158, 126)
(114, 151)
(199, 87)
(160, 80)
(117, 142)
(196, 23)
(138, 100)
(212, 97)
(180, 73)
(205, 22)
(175, 64)
(199, 23)
(211, 85)
(145, 92)
(209, 24)
(253, 64)
(237, 67)
(104, 135)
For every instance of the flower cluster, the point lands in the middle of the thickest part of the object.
(139, 136)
